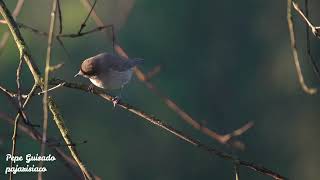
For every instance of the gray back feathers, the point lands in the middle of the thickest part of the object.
(104, 62)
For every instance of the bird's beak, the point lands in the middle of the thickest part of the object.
(78, 74)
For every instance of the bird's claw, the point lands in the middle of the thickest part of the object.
(91, 88)
(115, 101)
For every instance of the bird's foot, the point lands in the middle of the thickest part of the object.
(91, 88)
(115, 101)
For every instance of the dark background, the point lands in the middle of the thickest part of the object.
(224, 62)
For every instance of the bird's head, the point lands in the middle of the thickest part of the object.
(88, 68)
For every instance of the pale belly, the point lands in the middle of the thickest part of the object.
(112, 79)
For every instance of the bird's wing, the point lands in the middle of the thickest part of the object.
(116, 63)
(127, 64)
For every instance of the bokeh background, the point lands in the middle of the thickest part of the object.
(224, 62)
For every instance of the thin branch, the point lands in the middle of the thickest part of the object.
(39, 81)
(153, 72)
(159, 123)
(306, 89)
(60, 17)
(24, 96)
(70, 35)
(46, 77)
(18, 81)
(32, 29)
(36, 135)
(313, 62)
(239, 132)
(59, 120)
(83, 25)
(15, 104)
(99, 23)
(224, 139)
(51, 89)
(14, 136)
(11, 93)
(16, 123)
(50, 144)
(85, 33)
(56, 67)
(236, 170)
(6, 34)
(315, 30)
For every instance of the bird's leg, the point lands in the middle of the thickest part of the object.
(91, 88)
(116, 99)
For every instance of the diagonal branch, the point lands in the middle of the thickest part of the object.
(39, 81)
(65, 133)
(59, 152)
(223, 139)
(14, 103)
(315, 30)
(5, 36)
(168, 128)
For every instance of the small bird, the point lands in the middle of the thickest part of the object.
(108, 71)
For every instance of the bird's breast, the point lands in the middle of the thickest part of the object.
(112, 79)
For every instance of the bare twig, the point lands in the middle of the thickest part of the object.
(8, 92)
(60, 17)
(224, 139)
(24, 96)
(239, 131)
(85, 33)
(70, 35)
(39, 81)
(6, 34)
(236, 170)
(59, 144)
(14, 136)
(46, 77)
(153, 72)
(313, 62)
(51, 89)
(36, 135)
(55, 67)
(83, 25)
(315, 30)
(15, 104)
(59, 120)
(16, 120)
(306, 89)
(159, 123)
